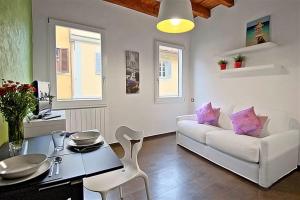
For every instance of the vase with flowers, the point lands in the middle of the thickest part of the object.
(16, 102)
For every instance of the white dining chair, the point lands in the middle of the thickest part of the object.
(131, 141)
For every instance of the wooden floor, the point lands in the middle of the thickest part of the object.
(176, 173)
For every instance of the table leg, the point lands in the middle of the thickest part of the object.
(77, 190)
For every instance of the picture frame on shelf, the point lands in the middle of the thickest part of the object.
(258, 31)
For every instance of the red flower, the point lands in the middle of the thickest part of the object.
(11, 88)
(33, 89)
(2, 91)
(12, 95)
(26, 86)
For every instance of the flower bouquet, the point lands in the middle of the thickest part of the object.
(16, 102)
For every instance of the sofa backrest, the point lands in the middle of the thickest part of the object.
(278, 121)
(224, 120)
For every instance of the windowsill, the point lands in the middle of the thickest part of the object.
(162, 100)
(77, 104)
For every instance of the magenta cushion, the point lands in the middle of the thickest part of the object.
(208, 115)
(245, 122)
(262, 120)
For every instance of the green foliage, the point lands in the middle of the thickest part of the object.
(239, 58)
(222, 62)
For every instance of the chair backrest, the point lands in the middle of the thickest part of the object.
(131, 141)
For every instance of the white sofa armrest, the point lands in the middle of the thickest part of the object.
(186, 117)
(278, 156)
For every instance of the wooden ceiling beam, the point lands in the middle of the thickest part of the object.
(137, 5)
(227, 3)
(151, 7)
(201, 11)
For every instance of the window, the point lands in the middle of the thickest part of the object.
(165, 68)
(168, 72)
(98, 63)
(77, 78)
(62, 60)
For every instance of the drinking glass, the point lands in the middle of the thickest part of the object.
(15, 149)
(58, 138)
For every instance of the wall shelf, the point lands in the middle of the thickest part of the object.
(259, 70)
(257, 47)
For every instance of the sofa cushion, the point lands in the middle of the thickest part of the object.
(278, 121)
(245, 121)
(264, 122)
(206, 114)
(224, 121)
(240, 146)
(194, 130)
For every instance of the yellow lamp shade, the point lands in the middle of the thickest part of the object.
(175, 16)
(175, 25)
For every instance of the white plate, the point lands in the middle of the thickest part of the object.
(85, 137)
(97, 141)
(41, 170)
(21, 166)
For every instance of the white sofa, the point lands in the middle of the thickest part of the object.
(262, 160)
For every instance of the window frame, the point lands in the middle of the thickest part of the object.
(76, 103)
(176, 99)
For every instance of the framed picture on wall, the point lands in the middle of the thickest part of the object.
(258, 31)
(132, 72)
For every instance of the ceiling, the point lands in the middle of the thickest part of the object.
(201, 8)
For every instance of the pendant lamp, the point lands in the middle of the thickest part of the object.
(175, 16)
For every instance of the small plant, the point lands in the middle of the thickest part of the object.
(223, 62)
(239, 58)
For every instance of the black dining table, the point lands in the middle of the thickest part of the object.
(69, 182)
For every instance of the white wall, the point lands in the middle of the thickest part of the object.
(225, 30)
(124, 30)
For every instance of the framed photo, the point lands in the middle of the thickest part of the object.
(132, 72)
(258, 31)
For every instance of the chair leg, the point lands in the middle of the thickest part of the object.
(146, 181)
(121, 192)
(103, 195)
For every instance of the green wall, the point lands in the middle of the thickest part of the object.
(15, 45)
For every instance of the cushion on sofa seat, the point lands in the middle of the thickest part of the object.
(241, 146)
(206, 114)
(194, 130)
(245, 121)
(278, 121)
(224, 121)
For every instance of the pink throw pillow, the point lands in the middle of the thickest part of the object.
(208, 115)
(262, 120)
(245, 121)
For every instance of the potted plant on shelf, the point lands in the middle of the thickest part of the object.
(223, 64)
(238, 61)
(16, 102)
